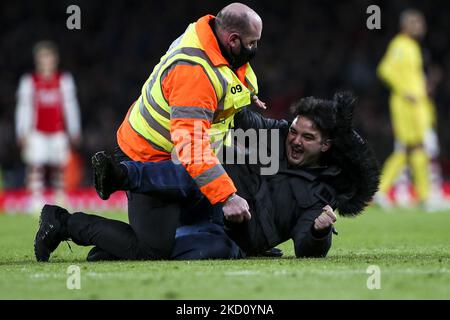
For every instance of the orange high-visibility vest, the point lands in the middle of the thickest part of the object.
(187, 106)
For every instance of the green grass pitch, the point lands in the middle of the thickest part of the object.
(411, 248)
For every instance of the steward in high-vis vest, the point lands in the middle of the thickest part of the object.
(184, 112)
(190, 98)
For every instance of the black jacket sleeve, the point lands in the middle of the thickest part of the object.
(247, 119)
(307, 241)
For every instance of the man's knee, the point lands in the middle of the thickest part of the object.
(199, 247)
(154, 222)
(202, 242)
(223, 248)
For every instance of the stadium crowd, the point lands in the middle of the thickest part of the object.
(308, 48)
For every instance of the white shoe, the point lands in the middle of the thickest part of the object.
(36, 202)
(435, 204)
(404, 199)
(382, 200)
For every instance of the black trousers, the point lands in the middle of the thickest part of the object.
(153, 233)
(153, 221)
(150, 235)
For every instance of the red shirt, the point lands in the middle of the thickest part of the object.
(48, 103)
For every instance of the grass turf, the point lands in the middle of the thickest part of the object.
(410, 247)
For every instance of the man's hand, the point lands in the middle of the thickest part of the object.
(259, 103)
(326, 219)
(236, 209)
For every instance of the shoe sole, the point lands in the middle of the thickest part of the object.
(99, 174)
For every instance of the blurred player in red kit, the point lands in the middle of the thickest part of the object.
(47, 121)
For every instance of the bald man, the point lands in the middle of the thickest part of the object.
(185, 110)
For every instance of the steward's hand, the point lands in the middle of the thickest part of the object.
(259, 103)
(326, 219)
(236, 209)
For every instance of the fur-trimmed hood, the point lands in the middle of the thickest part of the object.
(360, 176)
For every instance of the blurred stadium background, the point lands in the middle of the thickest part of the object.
(307, 48)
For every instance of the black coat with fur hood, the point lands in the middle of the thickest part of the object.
(285, 205)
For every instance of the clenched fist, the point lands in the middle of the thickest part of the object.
(236, 209)
(326, 219)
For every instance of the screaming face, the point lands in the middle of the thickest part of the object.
(304, 143)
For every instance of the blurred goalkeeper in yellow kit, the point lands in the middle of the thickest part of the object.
(401, 69)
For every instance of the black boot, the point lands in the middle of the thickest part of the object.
(109, 176)
(52, 230)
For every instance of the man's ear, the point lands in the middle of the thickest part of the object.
(326, 145)
(233, 39)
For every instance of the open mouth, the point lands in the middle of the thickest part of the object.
(296, 153)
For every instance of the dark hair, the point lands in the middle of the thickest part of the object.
(405, 14)
(321, 112)
(47, 45)
(360, 173)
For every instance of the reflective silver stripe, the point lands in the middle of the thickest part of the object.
(149, 141)
(251, 85)
(154, 104)
(181, 62)
(153, 123)
(196, 52)
(221, 103)
(201, 54)
(150, 99)
(191, 113)
(209, 175)
(216, 144)
(186, 63)
(176, 42)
